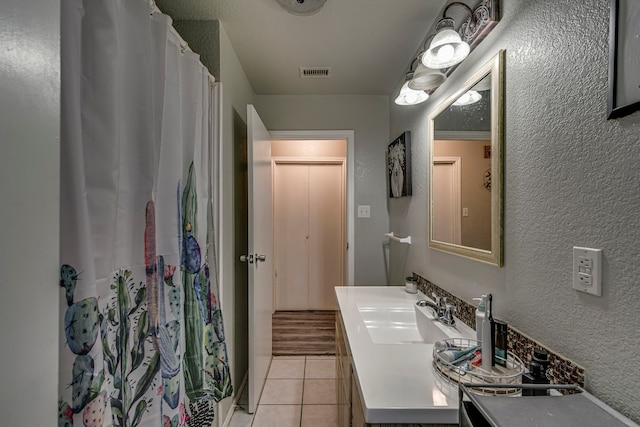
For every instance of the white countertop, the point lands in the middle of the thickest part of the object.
(397, 381)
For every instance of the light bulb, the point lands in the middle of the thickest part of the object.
(469, 97)
(411, 97)
(445, 53)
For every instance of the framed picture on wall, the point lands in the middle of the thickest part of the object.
(399, 166)
(624, 58)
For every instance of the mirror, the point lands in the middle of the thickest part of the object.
(465, 167)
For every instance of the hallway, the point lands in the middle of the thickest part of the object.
(299, 392)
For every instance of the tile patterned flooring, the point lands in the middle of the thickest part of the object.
(299, 392)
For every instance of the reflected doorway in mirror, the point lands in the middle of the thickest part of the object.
(399, 166)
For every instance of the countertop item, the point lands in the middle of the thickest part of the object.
(396, 380)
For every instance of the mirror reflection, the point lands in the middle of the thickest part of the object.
(465, 151)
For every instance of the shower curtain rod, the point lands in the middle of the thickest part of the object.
(184, 46)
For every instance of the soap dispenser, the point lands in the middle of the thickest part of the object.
(480, 313)
(487, 348)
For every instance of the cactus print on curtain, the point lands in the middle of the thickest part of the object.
(143, 338)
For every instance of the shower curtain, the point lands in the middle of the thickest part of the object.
(142, 336)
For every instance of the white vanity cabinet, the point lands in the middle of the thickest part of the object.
(385, 385)
(350, 412)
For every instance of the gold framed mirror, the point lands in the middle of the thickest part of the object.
(466, 167)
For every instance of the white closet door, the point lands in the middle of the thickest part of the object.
(326, 234)
(446, 211)
(291, 239)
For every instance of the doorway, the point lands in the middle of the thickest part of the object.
(309, 229)
(327, 136)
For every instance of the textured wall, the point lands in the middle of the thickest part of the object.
(571, 179)
(368, 116)
(29, 211)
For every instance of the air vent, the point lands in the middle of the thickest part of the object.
(315, 72)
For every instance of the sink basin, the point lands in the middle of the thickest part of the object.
(407, 324)
(390, 325)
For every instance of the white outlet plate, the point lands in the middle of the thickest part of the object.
(364, 211)
(587, 270)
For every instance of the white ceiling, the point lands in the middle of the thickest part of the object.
(367, 43)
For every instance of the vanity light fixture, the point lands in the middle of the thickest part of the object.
(447, 47)
(408, 96)
(425, 78)
(468, 98)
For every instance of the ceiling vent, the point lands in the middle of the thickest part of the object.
(315, 72)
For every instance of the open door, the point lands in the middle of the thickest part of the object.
(259, 259)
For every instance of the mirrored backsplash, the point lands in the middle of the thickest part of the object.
(563, 370)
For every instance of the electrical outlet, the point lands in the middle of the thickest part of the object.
(586, 280)
(587, 270)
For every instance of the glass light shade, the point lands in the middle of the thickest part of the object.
(409, 96)
(425, 78)
(470, 97)
(446, 49)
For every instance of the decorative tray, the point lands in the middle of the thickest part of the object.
(464, 371)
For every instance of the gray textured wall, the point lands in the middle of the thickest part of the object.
(571, 180)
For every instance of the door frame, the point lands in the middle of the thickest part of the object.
(348, 135)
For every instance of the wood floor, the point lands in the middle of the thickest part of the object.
(304, 333)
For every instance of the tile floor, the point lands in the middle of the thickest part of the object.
(299, 392)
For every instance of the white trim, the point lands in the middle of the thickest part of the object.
(349, 135)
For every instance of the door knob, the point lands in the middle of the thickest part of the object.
(261, 258)
(247, 258)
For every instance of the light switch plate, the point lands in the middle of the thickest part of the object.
(587, 270)
(364, 211)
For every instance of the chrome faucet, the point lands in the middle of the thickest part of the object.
(447, 317)
(443, 311)
(441, 302)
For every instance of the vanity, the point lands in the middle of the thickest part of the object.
(384, 364)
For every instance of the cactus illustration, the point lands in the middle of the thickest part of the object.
(190, 250)
(81, 325)
(155, 272)
(83, 368)
(65, 414)
(202, 289)
(68, 280)
(193, 321)
(93, 414)
(174, 301)
(173, 328)
(171, 391)
(151, 270)
(217, 370)
(216, 321)
(126, 338)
